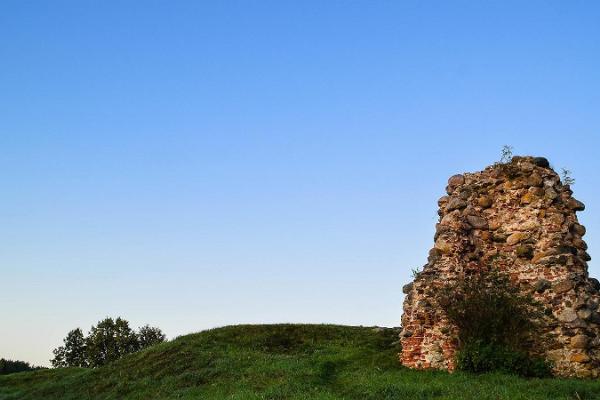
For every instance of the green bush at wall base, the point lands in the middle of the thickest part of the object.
(482, 357)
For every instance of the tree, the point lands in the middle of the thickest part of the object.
(75, 349)
(149, 336)
(10, 366)
(73, 352)
(110, 340)
(59, 357)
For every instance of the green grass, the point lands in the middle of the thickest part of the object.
(280, 362)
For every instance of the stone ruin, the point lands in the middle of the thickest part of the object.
(520, 216)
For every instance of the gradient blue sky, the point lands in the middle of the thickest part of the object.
(196, 164)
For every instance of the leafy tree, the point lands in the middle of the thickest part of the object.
(110, 340)
(75, 348)
(149, 336)
(73, 352)
(59, 358)
(10, 366)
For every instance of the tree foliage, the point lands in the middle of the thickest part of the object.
(110, 340)
(149, 336)
(10, 366)
(496, 323)
(107, 341)
(73, 353)
(485, 304)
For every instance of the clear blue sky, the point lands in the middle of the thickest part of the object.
(190, 165)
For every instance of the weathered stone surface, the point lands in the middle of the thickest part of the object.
(455, 203)
(494, 224)
(516, 238)
(541, 285)
(456, 180)
(579, 342)
(550, 194)
(525, 251)
(484, 201)
(528, 198)
(520, 218)
(536, 180)
(477, 222)
(563, 286)
(575, 205)
(567, 315)
(527, 166)
(584, 313)
(443, 246)
(577, 229)
(528, 225)
(443, 201)
(499, 237)
(579, 358)
(541, 162)
(580, 244)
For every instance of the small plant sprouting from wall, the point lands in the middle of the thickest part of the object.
(506, 154)
(566, 177)
(505, 164)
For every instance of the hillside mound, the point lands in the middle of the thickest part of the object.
(278, 362)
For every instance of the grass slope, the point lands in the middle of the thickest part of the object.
(279, 362)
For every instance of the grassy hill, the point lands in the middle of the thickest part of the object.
(279, 362)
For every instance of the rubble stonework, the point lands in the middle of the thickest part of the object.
(521, 218)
